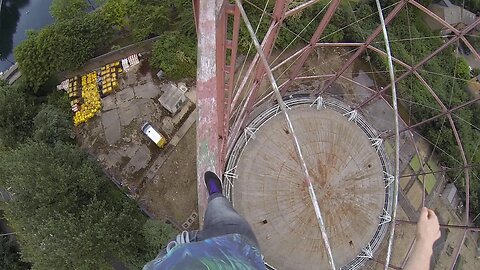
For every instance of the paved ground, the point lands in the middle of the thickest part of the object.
(115, 139)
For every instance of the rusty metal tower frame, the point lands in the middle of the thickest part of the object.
(225, 108)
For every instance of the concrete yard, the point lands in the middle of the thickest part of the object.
(131, 158)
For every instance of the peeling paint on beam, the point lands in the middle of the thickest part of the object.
(208, 144)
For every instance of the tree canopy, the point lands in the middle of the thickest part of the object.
(9, 256)
(175, 54)
(16, 114)
(52, 125)
(81, 35)
(39, 57)
(68, 9)
(64, 211)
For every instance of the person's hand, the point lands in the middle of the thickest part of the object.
(428, 229)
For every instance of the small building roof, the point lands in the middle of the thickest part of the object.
(452, 14)
(172, 97)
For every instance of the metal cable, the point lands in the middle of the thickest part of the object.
(397, 134)
(278, 96)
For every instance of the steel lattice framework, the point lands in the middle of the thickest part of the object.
(226, 107)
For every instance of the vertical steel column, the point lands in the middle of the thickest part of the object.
(232, 45)
(210, 88)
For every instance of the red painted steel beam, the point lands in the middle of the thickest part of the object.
(269, 42)
(360, 50)
(477, 99)
(454, 129)
(313, 40)
(459, 143)
(445, 226)
(210, 88)
(300, 7)
(196, 6)
(222, 73)
(230, 68)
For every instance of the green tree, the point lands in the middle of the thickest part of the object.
(182, 17)
(9, 256)
(16, 113)
(156, 236)
(115, 12)
(65, 212)
(68, 9)
(175, 54)
(148, 20)
(52, 125)
(36, 58)
(39, 57)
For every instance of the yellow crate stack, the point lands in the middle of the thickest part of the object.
(91, 99)
(86, 93)
(109, 75)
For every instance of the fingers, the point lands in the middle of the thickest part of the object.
(427, 213)
(424, 213)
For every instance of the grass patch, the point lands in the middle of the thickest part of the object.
(415, 163)
(433, 165)
(389, 149)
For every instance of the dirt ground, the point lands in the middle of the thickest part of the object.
(173, 192)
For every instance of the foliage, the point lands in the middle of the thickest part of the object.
(115, 12)
(81, 35)
(475, 72)
(68, 9)
(175, 54)
(148, 19)
(9, 256)
(67, 215)
(52, 125)
(38, 55)
(16, 112)
(64, 212)
(182, 18)
(157, 236)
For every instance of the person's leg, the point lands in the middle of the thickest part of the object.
(220, 217)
